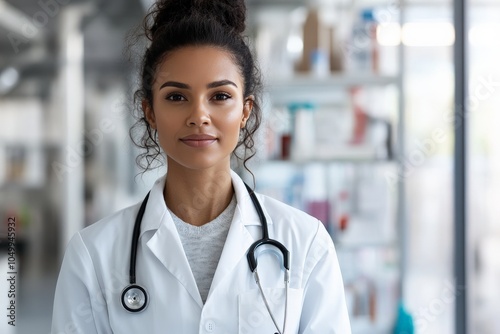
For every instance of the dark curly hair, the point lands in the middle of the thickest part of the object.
(174, 24)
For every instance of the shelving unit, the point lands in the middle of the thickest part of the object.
(354, 170)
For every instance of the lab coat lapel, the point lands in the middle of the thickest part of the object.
(237, 243)
(167, 247)
(238, 238)
(165, 243)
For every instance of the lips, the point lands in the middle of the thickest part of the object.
(199, 140)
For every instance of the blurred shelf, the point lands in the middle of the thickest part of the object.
(351, 153)
(306, 87)
(302, 3)
(367, 232)
(364, 327)
(340, 160)
(21, 186)
(34, 145)
(307, 81)
(449, 3)
(354, 246)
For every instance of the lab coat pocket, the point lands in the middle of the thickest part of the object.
(254, 317)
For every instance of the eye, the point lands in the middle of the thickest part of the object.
(222, 96)
(175, 97)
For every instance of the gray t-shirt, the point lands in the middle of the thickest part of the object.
(203, 245)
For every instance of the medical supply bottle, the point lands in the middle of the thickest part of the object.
(363, 53)
(315, 193)
(316, 44)
(303, 136)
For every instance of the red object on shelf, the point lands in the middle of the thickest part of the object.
(360, 118)
(286, 143)
(343, 222)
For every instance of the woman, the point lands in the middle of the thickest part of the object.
(199, 103)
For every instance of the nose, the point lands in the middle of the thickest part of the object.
(199, 115)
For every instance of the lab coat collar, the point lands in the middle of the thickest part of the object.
(249, 214)
(157, 209)
(166, 245)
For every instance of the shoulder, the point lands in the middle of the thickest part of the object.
(106, 232)
(116, 221)
(305, 237)
(279, 211)
(299, 225)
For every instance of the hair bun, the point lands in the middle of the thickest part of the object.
(229, 13)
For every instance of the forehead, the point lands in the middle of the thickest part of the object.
(198, 65)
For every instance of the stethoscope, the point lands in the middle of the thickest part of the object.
(135, 298)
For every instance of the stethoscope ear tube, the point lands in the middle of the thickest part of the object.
(252, 258)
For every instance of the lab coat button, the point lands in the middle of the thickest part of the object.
(210, 326)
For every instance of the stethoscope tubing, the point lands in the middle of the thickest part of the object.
(251, 258)
(135, 239)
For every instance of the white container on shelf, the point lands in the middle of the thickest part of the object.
(362, 54)
(277, 42)
(315, 193)
(303, 136)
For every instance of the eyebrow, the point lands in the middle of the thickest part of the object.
(221, 83)
(210, 85)
(175, 84)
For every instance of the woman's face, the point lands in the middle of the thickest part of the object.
(198, 107)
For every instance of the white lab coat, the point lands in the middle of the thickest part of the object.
(96, 264)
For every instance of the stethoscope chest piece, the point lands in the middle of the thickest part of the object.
(134, 298)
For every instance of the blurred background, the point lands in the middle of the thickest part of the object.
(358, 131)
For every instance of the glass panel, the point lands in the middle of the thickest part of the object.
(484, 163)
(429, 165)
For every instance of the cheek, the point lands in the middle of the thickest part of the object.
(234, 115)
(168, 127)
(231, 124)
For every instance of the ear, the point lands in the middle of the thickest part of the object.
(149, 113)
(247, 110)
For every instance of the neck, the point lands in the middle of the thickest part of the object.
(197, 196)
